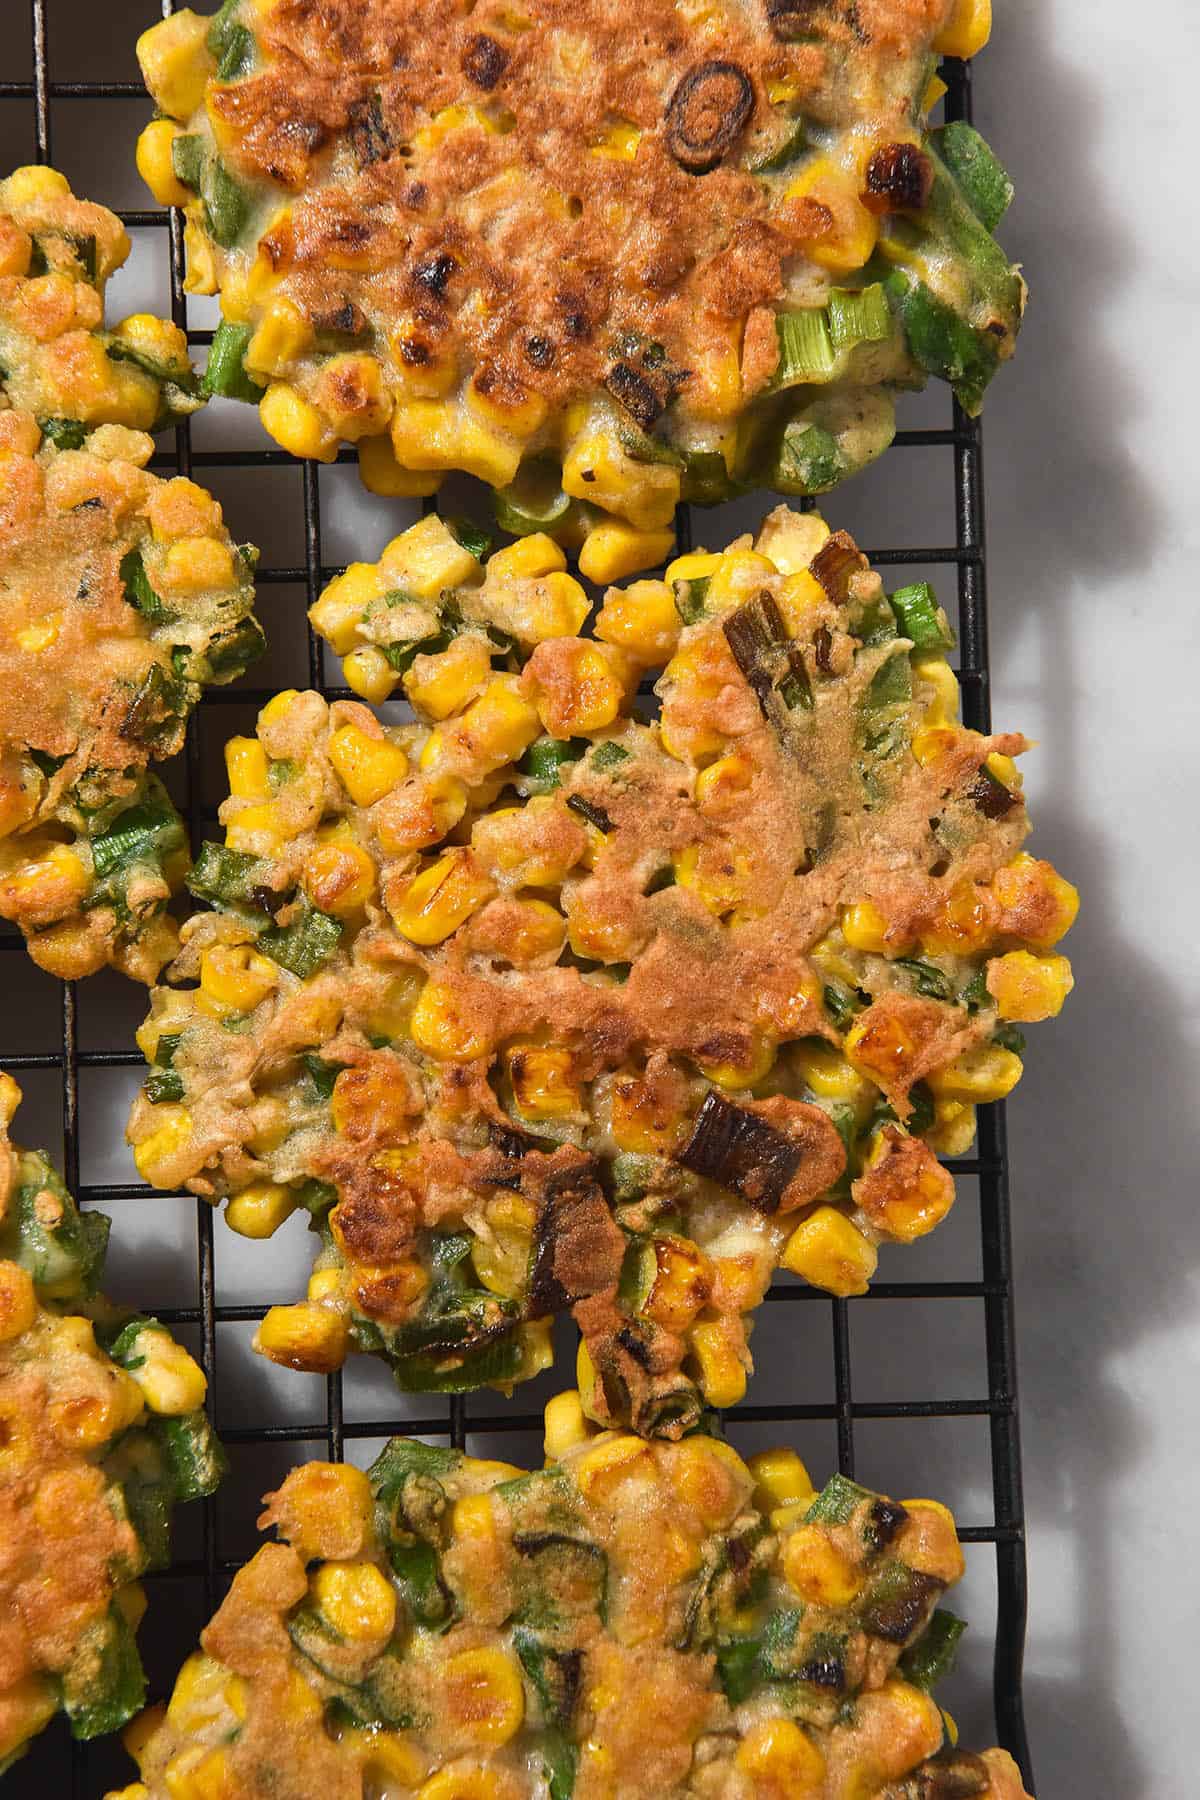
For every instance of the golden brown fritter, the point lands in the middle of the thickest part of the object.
(634, 1622)
(536, 1005)
(538, 242)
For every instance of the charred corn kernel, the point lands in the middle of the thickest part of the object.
(153, 1156)
(530, 556)
(850, 237)
(613, 549)
(781, 1761)
(235, 977)
(369, 674)
(482, 1696)
(597, 469)
(641, 1119)
(1027, 988)
(935, 672)
(780, 1479)
(737, 575)
(175, 63)
(446, 683)
(641, 620)
(447, 1030)
(353, 395)
(566, 1425)
(683, 1283)
(247, 768)
(816, 1569)
(544, 1081)
(967, 30)
(357, 1600)
(18, 1302)
(831, 1253)
(296, 426)
(963, 921)
(501, 724)
(748, 1071)
(380, 473)
(865, 928)
(442, 897)
(985, 1072)
(338, 614)
(29, 1704)
(325, 1510)
(283, 335)
(427, 558)
(367, 767)
(881, 1045)
(1044, 903)
(721, 1371)
(338, 877)
(304, 1336)
(953, 1130)
(260, 1209)
(171, 1381)
(392, 1759)
(828, 1074)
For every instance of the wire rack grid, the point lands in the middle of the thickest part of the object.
(840, 1407)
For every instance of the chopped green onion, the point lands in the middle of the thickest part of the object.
(789, 147)
(932, 1657)
(609, 756)
(64, 434)
(1009, 1037)
(237, 55)
(533, 501)
(188, 153)
(978, 171)
(471, 536)
(930, 981)
(542, 764)
(139, 592)
(143, 834)
(920, 618)
(303, 946)
(167, 374)
(690, 598)
(805, 351)
(226, 204)
(858, 318)
(706, 478)
(226, 372)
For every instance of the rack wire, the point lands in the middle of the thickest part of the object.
(328, 1435)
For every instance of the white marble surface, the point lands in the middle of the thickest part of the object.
(1093, 527)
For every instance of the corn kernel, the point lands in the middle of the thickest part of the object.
(370, 675)
(325, 1510)
(738, 574)
(544, 1081)
(597, 469)
(566, 1425)
(815, 1568)
(1044, 904)
(710, 1478)
(865, 928)
(18, 1302)
(748, 1071)
(790, 539)
(610, 1461)
(296, 426)
(29, 1705)
(931, 668)
(357, 1600)
(722, 1373)
(380, 473)
(845, 245)
(499, 726)
(247, 768)
(235, 977)
(442, 684)
(155, 1153)
(831, 1253)
(1027, 988)
(967, 30)
(683, 1283)
(780, 1478)
(482, 1696)
(171, 1381)
(984, 1073)
(442, 897)
(338, 613)
(828, 1074)
(283, 336)
(175, 64)
(612, 550)
(338, 877)
(304, 1336)
(781, 1761)
(469, 1782)
(391, 1759)
(642, 621)
(260, 1209)
(367, 767)
(442, 1027)
(529, 557)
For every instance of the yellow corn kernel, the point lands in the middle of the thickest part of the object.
(252, 824)
(936, 740)
(427, 558)
(325, 1510)
(442, 897)
(748, 1072)
(790, 539)
(535, 1348)
(32, 184)
(738, 574)
(722, 1373)
(967, 30)
(438, 686)
(391, 1760)
(296, 426)
(200, 1775)
(693, 565)
(441, 1027)
(591, 700)
(931, 667)
(828, 1074)
(566, 1424)
(175, 63)
(1026, 878)
(357, 1600)
(618, 141)
(326, 1284)
(29, 1706)
(720, 785)
(865, 928)
(831, 1253)
(283, 336)
(195, 564)
(544, 1081)
(18, 1302)
(171, 1381)
(530, 556)
(154, 1154)
(501, 724)
(199, 1693)
(710, 1478)
(260, 1209)
(380, 473)
(816, 1569)
(34, 638)
(352, 395)
(247, 767)
(338, 876)
(612, 550)
(304, 1336)
(367, 767)
(53, 870)
(597, 469)
(508, 408)
(1027, 988)
(851, 236)
(716, 879)
(780, 1479)
(683, 1283)
(338, 614)
(370, 675)
(781, 1761)
(983, 1073)
(441, 434)
(614, 1457)
(463, 1781)
(534, 932)
(235, 977)
(642, 1119)
(482, 1696)
(10, 1097)
(642, 621)
(953, 1130)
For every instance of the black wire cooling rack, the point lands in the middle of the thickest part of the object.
(205, 1573)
